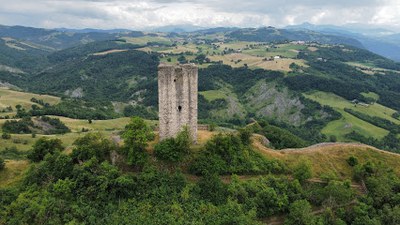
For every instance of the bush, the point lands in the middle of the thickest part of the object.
(44, 146)
(302, 172)
(212, 189)
(173, 149)
(12, 153)
(92, 145)
(300, 213)
(6, 135)
(21, 126)
(226, 154)
(2, 164)
(352, 161)
(245, 135)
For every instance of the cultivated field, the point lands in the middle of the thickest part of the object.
(349, 122)
(12, 98)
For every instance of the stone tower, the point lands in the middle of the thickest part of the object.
(177, 99)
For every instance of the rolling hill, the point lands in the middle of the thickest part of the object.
(264, 74)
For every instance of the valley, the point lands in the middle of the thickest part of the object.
(296, 120)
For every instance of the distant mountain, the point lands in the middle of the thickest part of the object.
(177, 28)
(217, 30)
(90, 30)
(61, 39)
(350, 28)
(374, 39)
(271, 34)
(393, 38)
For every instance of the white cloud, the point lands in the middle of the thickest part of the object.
(140, 14)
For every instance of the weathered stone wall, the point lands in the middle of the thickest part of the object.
(177, 99)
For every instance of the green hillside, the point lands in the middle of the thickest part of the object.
(269, 79)
(348, 122)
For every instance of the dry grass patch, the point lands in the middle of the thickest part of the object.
(110, 51)
(12, 98)
(13, 172)
(331, 158)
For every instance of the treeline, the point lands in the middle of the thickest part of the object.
(77, 109)
(377, 121)
(45, 125)
(390, 142)
(280, 138)
(307, 82)
(90, 48)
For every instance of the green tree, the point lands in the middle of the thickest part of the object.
(212, 189)
(44, 146)
(174, 149)
(182, 59)
(269, 202)
(245, 135)
(92, 145)
(299, 213)
(136, 135)
(302, 172)
(352, 161)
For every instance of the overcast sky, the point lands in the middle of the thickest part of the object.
(138, 14)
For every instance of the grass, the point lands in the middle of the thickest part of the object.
(13, 172)
(12, 98)
(256, 62)
(349, 122)
(284, 50)
(369, 68)
(372, 95)
(213, 95)
(15, 168)
(253, 58)
(145, 39)
(331, 159)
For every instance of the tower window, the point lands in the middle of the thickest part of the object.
(174, 80)
(180, 108)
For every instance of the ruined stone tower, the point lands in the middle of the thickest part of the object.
(177, 99)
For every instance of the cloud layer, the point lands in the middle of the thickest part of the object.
(140, 14)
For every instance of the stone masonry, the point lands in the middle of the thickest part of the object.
(177, 99)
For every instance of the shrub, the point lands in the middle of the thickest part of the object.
(92, 145)
(44, 146)
(303, 171)
(136, 135)
(212, 189)
(300, 213)
(173, 149)
(2, 164)
(226, 154)
(352, 161)
(6, 135)
(21, 126)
